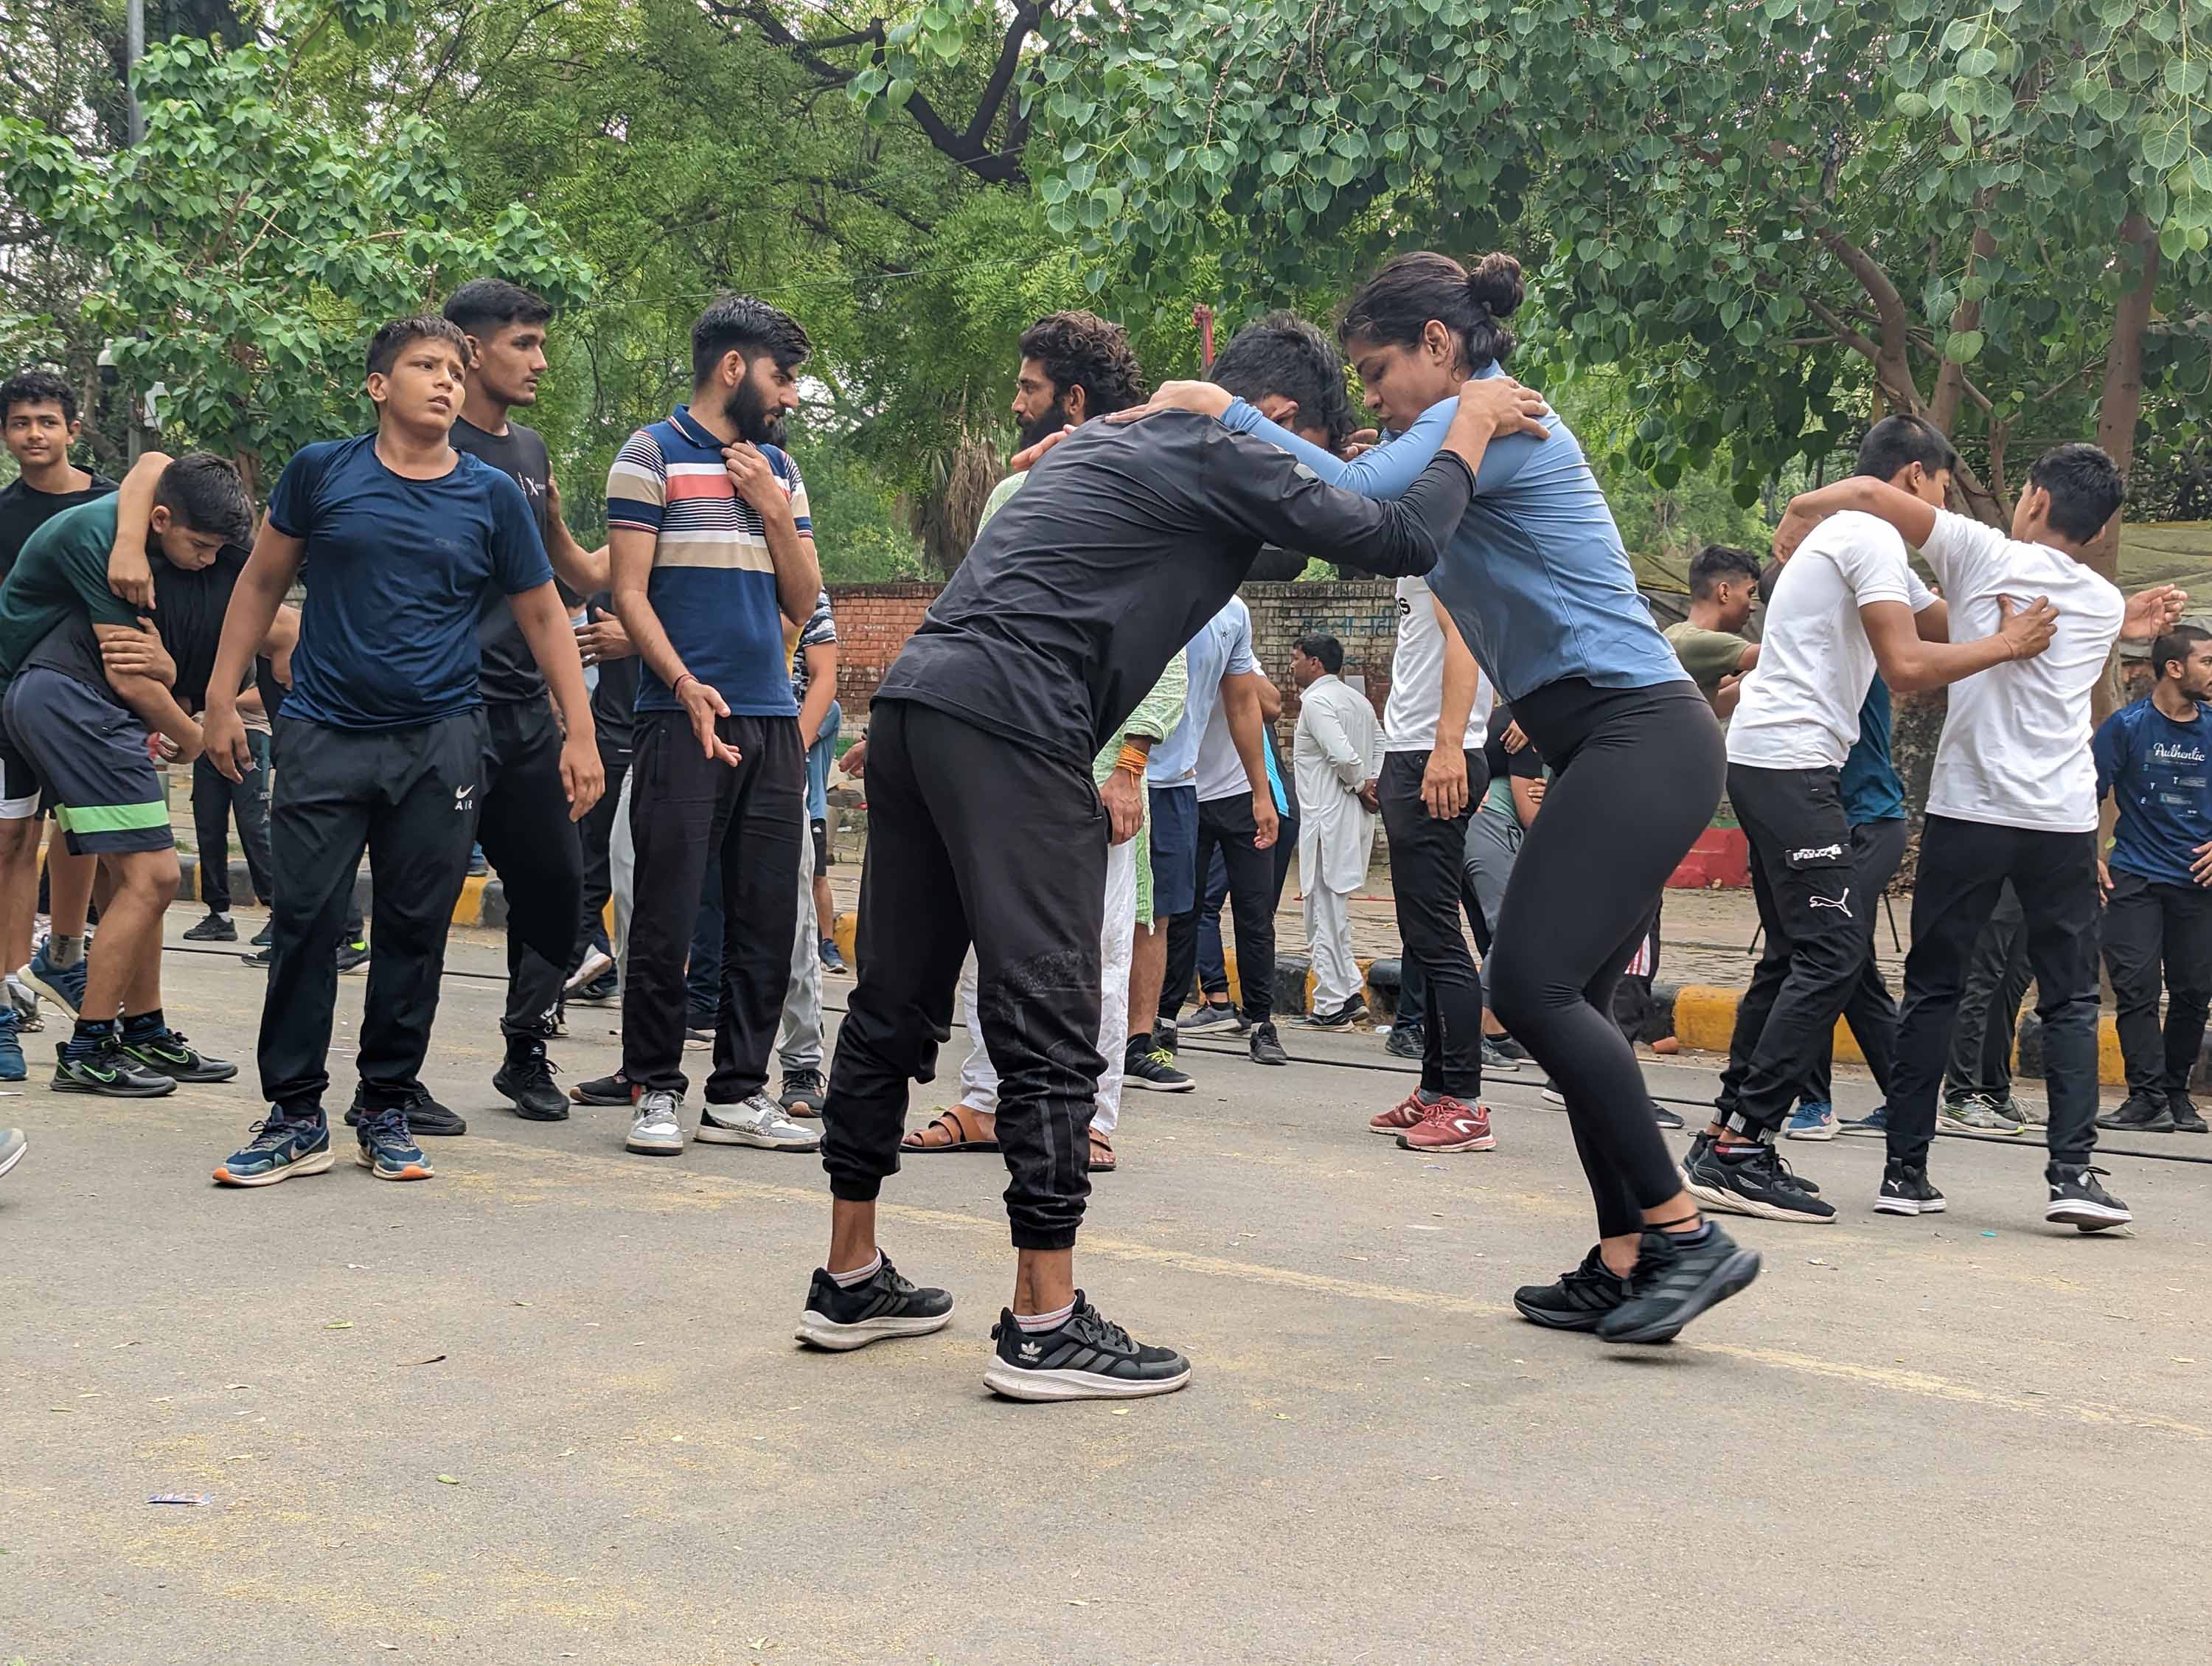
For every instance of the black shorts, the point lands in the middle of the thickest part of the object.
(91, 758)
(18, 783)
(824, 861)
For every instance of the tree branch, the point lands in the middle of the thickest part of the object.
(1951, 380)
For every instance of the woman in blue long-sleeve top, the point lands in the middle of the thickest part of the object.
(1540, 586)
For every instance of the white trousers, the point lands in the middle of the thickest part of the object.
(621, 873)
(979, 1081)
(1328, 943)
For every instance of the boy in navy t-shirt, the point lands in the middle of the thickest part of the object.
(712, 550)
(2152, 757)
(382, 734)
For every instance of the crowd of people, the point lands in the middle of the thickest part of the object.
(1072, 766)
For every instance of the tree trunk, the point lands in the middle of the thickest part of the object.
(2120, 404)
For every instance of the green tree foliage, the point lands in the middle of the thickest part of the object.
(250, 245)
(1994, 214)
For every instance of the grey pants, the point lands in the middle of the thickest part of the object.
(798, 1042)
(1493, 842)
(1989, 1006)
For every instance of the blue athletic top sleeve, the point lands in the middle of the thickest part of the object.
(713, 583)
(396, 571)
(2155, 768)
(1872, 791)
(1536, 577)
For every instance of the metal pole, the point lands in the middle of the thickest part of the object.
(134, 48)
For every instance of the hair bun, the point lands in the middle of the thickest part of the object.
(1494, 285)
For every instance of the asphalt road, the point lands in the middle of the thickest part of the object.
(1968, 1437)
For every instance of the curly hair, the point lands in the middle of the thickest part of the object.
(38, 387)
(1081, 349)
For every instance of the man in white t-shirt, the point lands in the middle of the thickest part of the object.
(1433, 776)
(2014, 796)
(1235, 815)
(1845, 603)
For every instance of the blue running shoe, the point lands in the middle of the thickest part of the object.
(1815, 1119)
(387, 1150)
(279, 1149)
(64, 983)
(1874, 1125)
(12, 1068)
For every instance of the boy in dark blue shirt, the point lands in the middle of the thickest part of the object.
(382, 735)
(2151, 757)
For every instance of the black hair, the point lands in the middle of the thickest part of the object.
(1896, 441)
(1392, 306)
(1769, 576)
(391, 339)
(2174, 645)
(1283, 354)
(1327, 649)
(38, 387)
(485, 305)
(2085, 487)
(741, 323)
(204, 492)
(1719, 563)
(1081, 349)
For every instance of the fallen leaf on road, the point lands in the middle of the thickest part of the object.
(341, 1324)
(433, 1359)
(449, 1481)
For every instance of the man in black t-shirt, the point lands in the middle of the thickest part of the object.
(523, 824)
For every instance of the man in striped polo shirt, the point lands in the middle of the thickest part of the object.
(711, 549)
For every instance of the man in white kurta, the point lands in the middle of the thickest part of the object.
(1335, 758)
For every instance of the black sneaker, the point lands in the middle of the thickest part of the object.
(1150, 1066)
(178, 1058)
(1551, 1095)
(841, 1319)
(2141, 1114)
(261, 939)
(2076, 1200)
(109, 1072)
(802, 1093)
(1906, 1191)
(1702, 1142)
(1088, 1357)
(260, 959)
(216, 928)
(1674, 1282)
(1266, 1047)
(525, 1081)
(2183, 1112)
(1407, 1041)
(601, 989)
(1353, 1011)
(354, 954)
(425, 1116)
(1577, 1300)
(1496, 1058)
(1670, 1121)
(603, 1091)
(1752, 1179)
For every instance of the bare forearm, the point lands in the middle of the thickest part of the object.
(253, 603)
(1913, 519)
(157, 708)
(133, 500)
(815, 708)
(798, 571)
(1925, 666)
(584, 571)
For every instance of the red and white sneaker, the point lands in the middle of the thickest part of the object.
(1450, 1125)
(1406, 1114)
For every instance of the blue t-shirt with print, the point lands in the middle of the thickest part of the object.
(396, 572)
(1872, 791)
(2154, 767)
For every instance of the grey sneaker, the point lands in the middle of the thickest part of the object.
(1976, 1114)
(12, 1148)
(655, 1127)
(2027, 1116)
(759, 1122)
(25, 999)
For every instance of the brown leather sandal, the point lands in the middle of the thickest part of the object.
(960, 1127)
(1103, 1160)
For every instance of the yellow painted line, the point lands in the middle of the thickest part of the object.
(1704, 1018)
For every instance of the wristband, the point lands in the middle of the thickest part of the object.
(1133, 759)
(681, 677)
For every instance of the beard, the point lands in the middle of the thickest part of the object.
(756, 423)
(1052, 422)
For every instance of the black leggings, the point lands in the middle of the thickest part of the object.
(1637, 774)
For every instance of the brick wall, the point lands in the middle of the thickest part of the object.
(873, 622)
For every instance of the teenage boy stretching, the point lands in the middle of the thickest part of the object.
(383, 733)
(79, 727)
